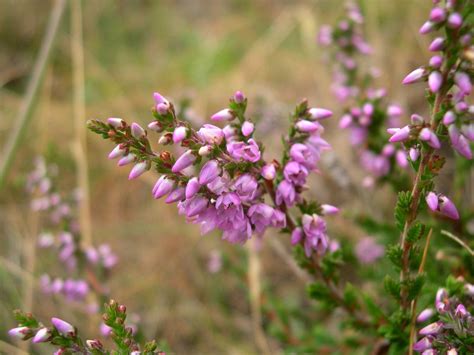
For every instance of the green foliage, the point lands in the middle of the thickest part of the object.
(392, 286)
(350, 295)
(330, 264)
(402, 208)
(374, 310)
(454, 286)
(413, 286)
(415, 232)
(301, 259)
(394, 254)
(319, 291)
(310, 208)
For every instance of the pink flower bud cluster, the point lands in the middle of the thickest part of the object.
(220, 180)
(449, 75)
(366, 114)
(61, 234)
(451, 320)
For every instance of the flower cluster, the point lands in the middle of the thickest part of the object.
(220, 180)
(65, 337)
(366, 114)
(453, 330)
(61, 232)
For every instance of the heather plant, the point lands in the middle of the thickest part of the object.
(221, 178)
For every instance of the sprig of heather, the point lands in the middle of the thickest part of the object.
(449, 83)
(366, 113)
(65, 337)
(451, 327)
(88, 268)
(222, 181)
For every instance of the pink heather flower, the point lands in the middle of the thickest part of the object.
(138, 170)
(394, 111)
(223, 115)
(423, 344)
(316, 113)
(414, 154)
(447, 208)
(468, 131)
(388, 150)
(240, 150)
(425, 315)
(211, 134)
(268, 171)
(306, 126)
(63, 327)
(179, 134)
(461, 311)
(130, 157)
(427, 27)
(463, 82)
(459, 142)
(162, 187)
(209, 172)
(159, 99)
(432, 201)
(435, 80)
(329, 209)
(368, 250)
(437, 14)
(302, 154)
(137, 130)
(239, 97)
(260, 215)
(246, 187)
(229, 132)
(192, 187)
(247, 128)
(316, 238)
(105, 330)
(295, 173)
(185, 160)
(42, 335)
(297, 236)
(432, 329)
(115, 122)
(325, 35)
(454, 20)
(437, 44)
(436, 61)
(285, 193)
(441, 295)
(176, 195)
(449, 117)
(400, 135)
(20, 332)
(368, 109)
(345, 121)
(195, 205)
(415, 76)
(116, 152)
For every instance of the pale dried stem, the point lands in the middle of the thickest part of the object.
(27, 107)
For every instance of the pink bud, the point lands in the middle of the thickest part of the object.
(435, 80)
(42, 335)
(425, 315)
(447, 207)
(20, 332)
(116, 152)
(415, 76)
(63, 327)
(192, 187)
(209, 172)
(400, 135)
(162, 187)
(205, 150)
(185, 160)
(441, 295)
(436, 61)
(137, 131)
(137, 170)
(329, 209)
(401, 158)
(162, 108)
(176, 195)
(247, 128)
(449, 117)
(223, 115)
(432, 201)
(461, 311)
(414, 154)
(179, 134)
(211, 134)
(155, 126)
(394, 111)
(468, 131)
(424, 344)
(388, 150)
(463, 82)
(159, 99)
(268, 172)
(115, 122)
(432, 329)
(345, 121)
(307, 126)
(239, 97)
(427, 27)
(130, 157)
(316, 113)
(437, 14)
(454, 20)
(296, 236)
(417, 119)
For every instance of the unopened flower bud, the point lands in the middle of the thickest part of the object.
(205, 150)
(162, 108)
(130, 157)
(247, 128)
(159, 99)
(425, 315)
(137, 130)
(268, 171)
(449, 117)
(414, 154)
(20, 333)
(63, 327)
(138, 170)
(400, 134)
(454, 20)
(329, 209)
(415, 76)
(432, 329)
(316, 113)
(185, 160)
(435, 80)
(155, 126)
(427, 27)
(223, 115)
(117, 152)
(239, 97)
(179, 134)
(42, 335)
(192, 187)
(417, 119)
(115, 122)
(165, 139)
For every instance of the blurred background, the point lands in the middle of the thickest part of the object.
(202, 51)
